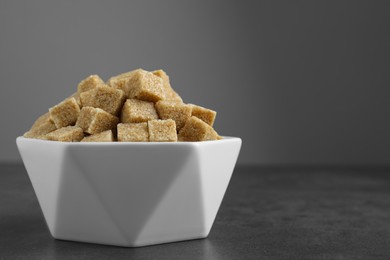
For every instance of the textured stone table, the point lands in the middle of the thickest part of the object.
(267, 213)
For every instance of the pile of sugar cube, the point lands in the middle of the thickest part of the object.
(136, 106)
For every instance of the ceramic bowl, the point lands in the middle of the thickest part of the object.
(129, 194)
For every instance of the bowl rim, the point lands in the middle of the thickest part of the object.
(223, 140)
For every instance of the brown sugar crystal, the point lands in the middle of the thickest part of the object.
(89, 83)
(207, 115)
(162, 131)
(105, 136)
(177, 111)
(133, 132)
(66, 134)
(144, 85)
(95, 120)
(65, 113)
(170, 94)
(104, 97)
(196, 129)
(137, 111)
(42, 126)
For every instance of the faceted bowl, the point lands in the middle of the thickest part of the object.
(129, 194)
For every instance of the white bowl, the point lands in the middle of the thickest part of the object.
(129, 194)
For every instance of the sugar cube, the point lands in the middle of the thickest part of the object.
(144, 85)
(95, 120)
(121, 81)
(170, 94)
(66, 134)
(162, 131)
(177, 111)
(137, 111)
(89, 83)
(104, 97)
(65, 113)
(196, 129)
(207, 115)
(42, 126)
(133, 132)
(105, 136)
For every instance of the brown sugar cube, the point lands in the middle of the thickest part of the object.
(170, 94)
(133, 132)
(137, 111)
(40, 120)
(66, 134)
(105, 136)
(174, 110)
(77, 97)
(89, 83)
(196, 129)
(162, 131)
(95, 120)
(86, 97)
(65, 113)
(145, 86)
(207, 115)
(121, 81)
(42, 126)
(104, 97)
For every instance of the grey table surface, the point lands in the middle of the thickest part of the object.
(267, 213)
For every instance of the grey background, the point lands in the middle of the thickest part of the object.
(301, 82)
